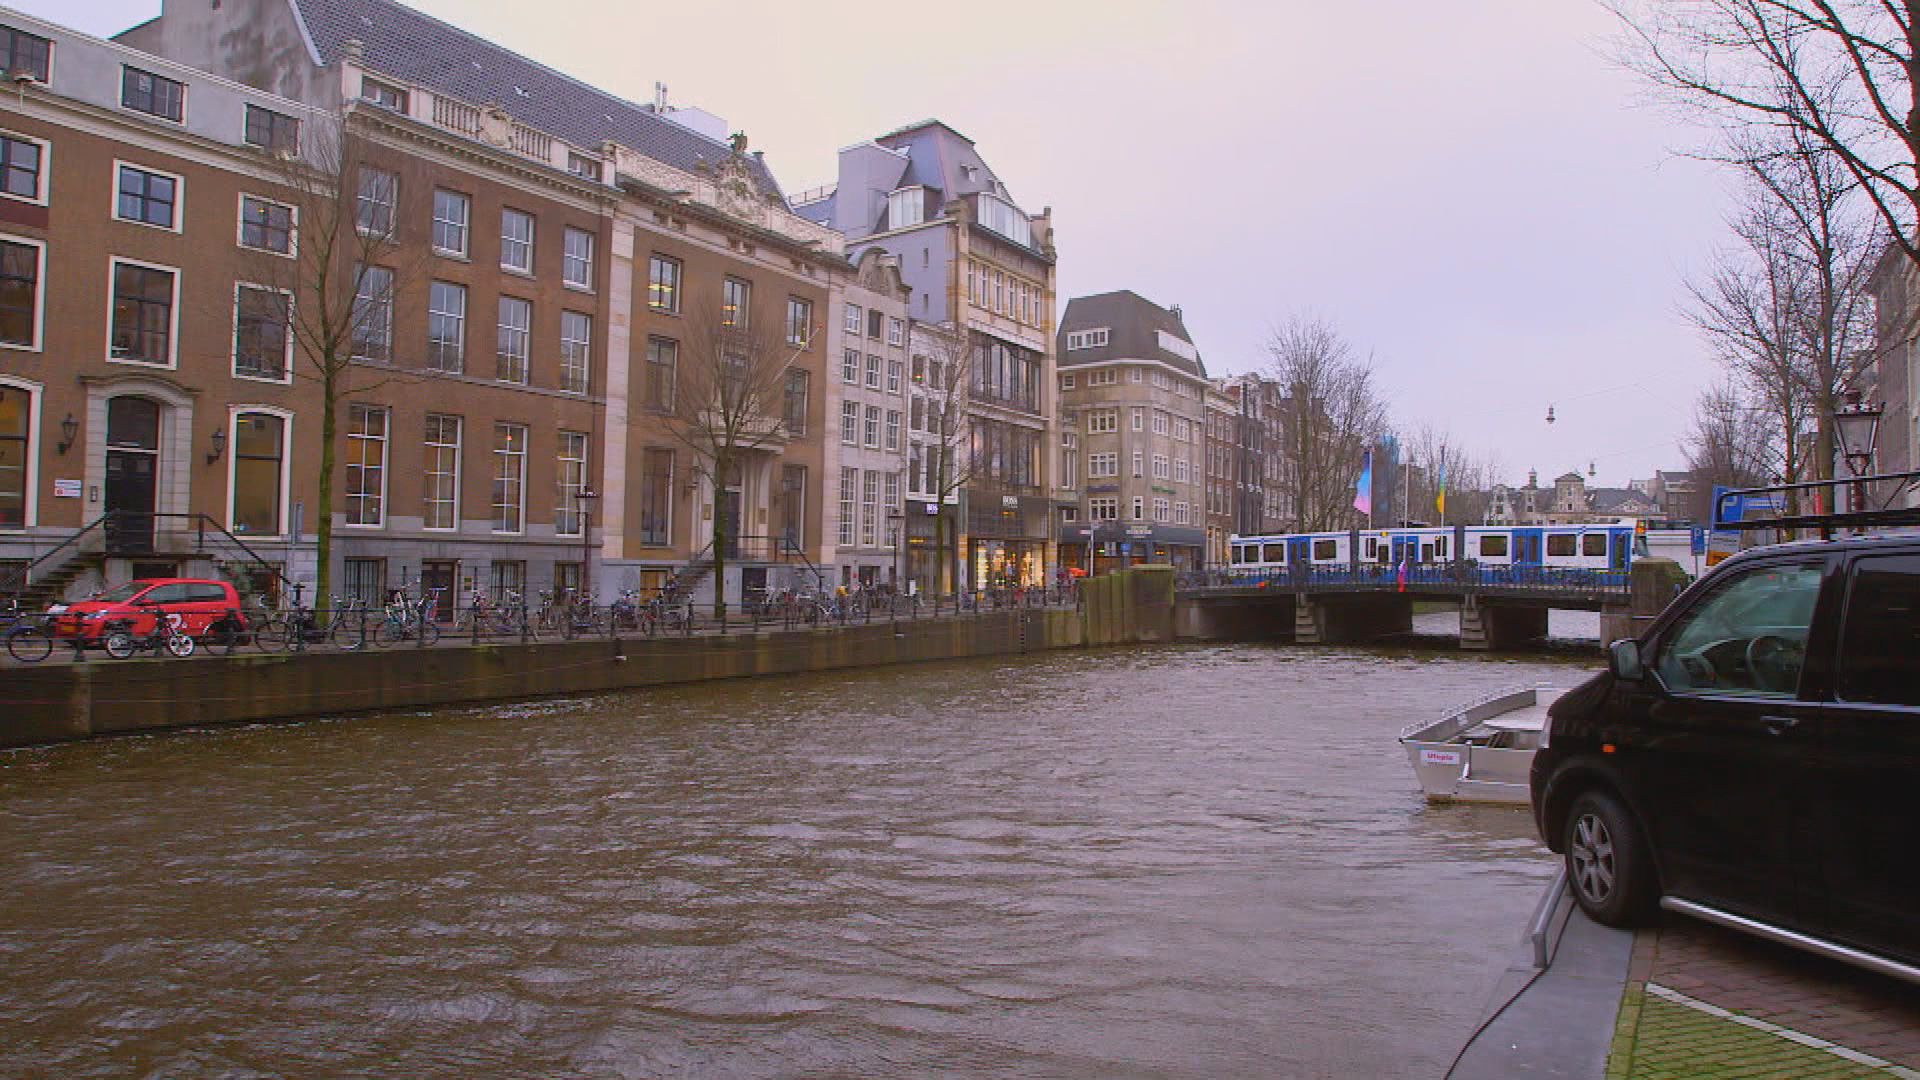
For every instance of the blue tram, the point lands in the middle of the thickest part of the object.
(1573, 547)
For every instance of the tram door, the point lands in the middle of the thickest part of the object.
(1618, 545)
(1526, 546)
(1406, 548)
(1299, 551)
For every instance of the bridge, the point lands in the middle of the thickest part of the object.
(1500, 606)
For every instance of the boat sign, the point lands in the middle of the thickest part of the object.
(1440, 757)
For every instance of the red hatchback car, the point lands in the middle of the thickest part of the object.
(202, 605)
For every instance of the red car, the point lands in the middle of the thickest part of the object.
(202, 605)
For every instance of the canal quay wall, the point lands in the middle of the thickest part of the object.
(63, 702)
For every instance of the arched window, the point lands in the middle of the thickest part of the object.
(16, 418)
(259, 453)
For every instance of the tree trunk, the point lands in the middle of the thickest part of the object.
(323, 509)
(721, 463)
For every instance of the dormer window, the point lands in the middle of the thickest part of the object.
(1006, 219)
(25, 54)
(155, 95)
(385, 95)
(907, 206)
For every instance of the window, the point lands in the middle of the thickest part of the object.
(516, 336)
(259, 444)
(373, 315)
(849, 479)
(1162, 423)
(266, 226)
(143, 91)
(795, 411)
(870, 508)
(855, 319)
(374, 201)
(1594, 544)
(385, 95)
(874, 318)
(894, 371)
(905, 207)
(1746, 637)
(1103, 421)
(793, 503)
(1139, 463)
(891, 500)
(893, 429)
(509, 577)
(146, 197)
(896, 331)
(1324, 550)
(873, 372)
(1161, 469)
(270, 130)
(262, 332)
(850, 367)
(1882, 632)
(1139, 508)
(509, 477)
(735, 303)
(1493, 547)
(1107, 464)
(570, 479)
(850, 423)
(516, 241)
(1560, 545)
(442, 495)
(24, 52)
(144, 300)
(447, 327)
(1103, 508)
(656, 496)
(366, 581)
(799, 321)
(1181, 471)
(1139, 419)
(23, 167)
(663, 356)
(20, 268)
(1136, 375)
(366, 465)
(663, 284)
(450, 210)
(872, 440)
(576, 258)
(1183, 515)
(1066, 382)
(16, 416)
(582, 166)
(1182, 429)
(576, 351)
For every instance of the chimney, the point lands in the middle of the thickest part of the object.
(659, 97)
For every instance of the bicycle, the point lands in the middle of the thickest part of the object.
(406, 619)
(29, 637)
(167, 635)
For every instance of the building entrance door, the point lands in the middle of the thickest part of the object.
(441, 574)
(133, 465)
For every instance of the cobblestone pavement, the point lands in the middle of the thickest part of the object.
(1703, 1001)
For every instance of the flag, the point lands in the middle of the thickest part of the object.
(1363, 488)
(1440, 493)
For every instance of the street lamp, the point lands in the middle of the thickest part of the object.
(585, 497)
(1857, 424)
(897, 525)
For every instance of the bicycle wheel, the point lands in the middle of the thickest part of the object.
(180, 645)
(348, 633)
(386, 632)
(223, 637)
(29, 644)
(271, 635)
(428, 631)
(119, 644)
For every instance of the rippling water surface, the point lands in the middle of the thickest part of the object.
(1184, 861)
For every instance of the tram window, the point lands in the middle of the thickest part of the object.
(1594, 544)
(1324, 550)
(1239, 554)
(1560, 545)
(1494, 547)
(1440, 547)
(1274, 553)
(1371, 545)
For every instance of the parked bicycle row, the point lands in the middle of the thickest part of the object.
(177, 618)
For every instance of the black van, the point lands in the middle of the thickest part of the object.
(1754, 758)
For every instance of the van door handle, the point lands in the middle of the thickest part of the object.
(1779, 725)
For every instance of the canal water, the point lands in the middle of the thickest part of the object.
(1168, 862)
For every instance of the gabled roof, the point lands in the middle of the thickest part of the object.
(1570, 478)
(420, 49)
(1134, 323)
(941, 158)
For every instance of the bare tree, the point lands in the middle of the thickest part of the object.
(950, 461)
(1725, 447)
(1334, 415)
(329, 264)
(1439, 458)
(728, 403)
(1835, 76)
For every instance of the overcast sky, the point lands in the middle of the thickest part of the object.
(1468, 190)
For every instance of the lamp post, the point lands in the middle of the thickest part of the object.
(1857, 425)
(585, 497)
(897, 527)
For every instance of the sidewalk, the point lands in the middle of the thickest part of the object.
(1686, 999)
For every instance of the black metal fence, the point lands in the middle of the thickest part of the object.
(1455, 578)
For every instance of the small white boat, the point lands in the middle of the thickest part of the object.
(1481, 752)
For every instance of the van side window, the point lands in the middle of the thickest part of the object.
(1881, 637)
(1747, 637)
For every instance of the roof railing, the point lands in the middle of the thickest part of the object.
(1888, 517)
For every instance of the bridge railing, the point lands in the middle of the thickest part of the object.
(1449, 577)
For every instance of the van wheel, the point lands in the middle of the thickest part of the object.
(1608, 863)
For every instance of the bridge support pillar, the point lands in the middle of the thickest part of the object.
(1651, 584)
(1349, 618)
(1235, 618)
(1484, 626)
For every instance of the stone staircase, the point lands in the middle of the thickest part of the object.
(50, 586)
